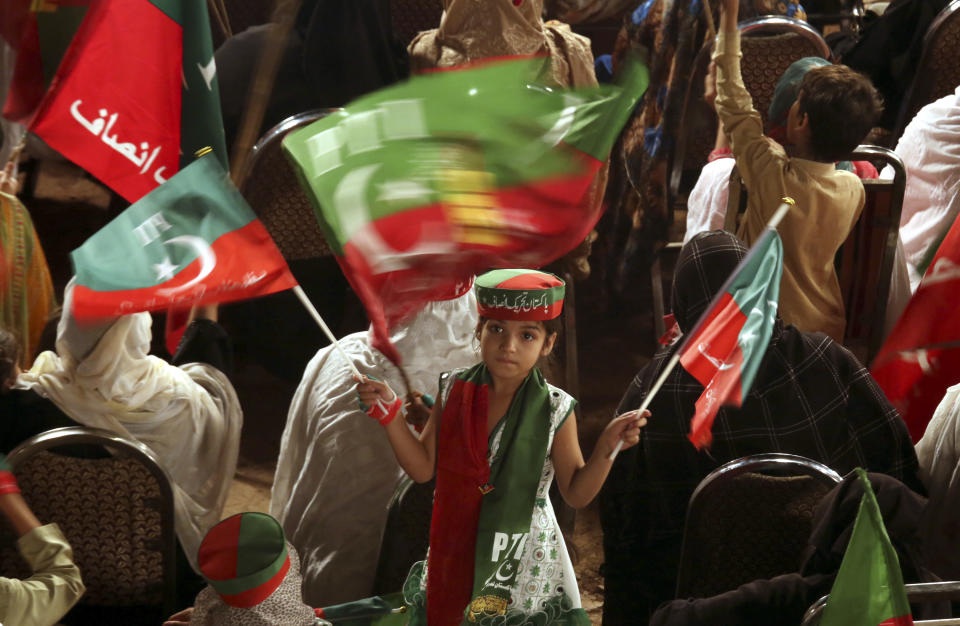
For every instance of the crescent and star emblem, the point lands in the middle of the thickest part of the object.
(717, 363)
(208, 260)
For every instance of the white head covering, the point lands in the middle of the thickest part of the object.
(190, 417)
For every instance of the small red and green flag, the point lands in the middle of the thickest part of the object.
(136, 93)
(726, 345)
(869, 587)
(423, 184)
(193, 240)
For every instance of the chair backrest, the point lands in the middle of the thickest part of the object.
(116, 512)
(271, 187)
(865, 260)
(944, 591)
(749, 519)
(938, 73)
(412, 16)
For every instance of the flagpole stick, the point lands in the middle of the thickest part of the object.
(786, 203)
(323, 326)
(649, 398)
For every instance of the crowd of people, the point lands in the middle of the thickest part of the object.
(481, 420)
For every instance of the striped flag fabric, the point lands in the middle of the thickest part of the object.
(193, 240)
(423, 184)
(727, 344)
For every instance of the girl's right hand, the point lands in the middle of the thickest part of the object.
(377, 399)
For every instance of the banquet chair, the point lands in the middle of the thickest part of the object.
(865, 260)
(937, 74)
(270, 186)
(117, 513)
(748, 519)
(406, 536)
(941, 592)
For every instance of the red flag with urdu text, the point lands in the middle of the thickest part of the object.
(135, 95)
(423, 184)
(193, 240)
(725, 347)
(921, 357)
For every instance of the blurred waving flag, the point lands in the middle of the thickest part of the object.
(868, 590)
(193, 240)
(726, 345)
(135, 92)
(39, 31)
(921, 356)
(421, 185)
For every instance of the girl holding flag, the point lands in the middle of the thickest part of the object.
(495, 439)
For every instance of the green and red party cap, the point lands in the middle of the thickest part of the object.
(519, 294)
(244, 558)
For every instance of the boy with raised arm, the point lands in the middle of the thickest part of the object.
(835, 109)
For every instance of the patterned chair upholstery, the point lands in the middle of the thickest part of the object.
(412, 16)
(749, 519)
(116, 512)
(938, 72)
(271, 188)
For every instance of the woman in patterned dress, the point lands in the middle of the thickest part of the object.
(495, 440)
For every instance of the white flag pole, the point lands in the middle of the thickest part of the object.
(781, 211)
(323, 326)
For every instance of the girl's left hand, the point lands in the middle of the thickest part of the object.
(625, 427)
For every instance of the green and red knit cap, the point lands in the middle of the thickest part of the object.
(244, 558)
(518, 294)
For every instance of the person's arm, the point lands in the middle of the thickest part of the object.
(417, 456)
(55, 585)
(739, 119)
(579, 481)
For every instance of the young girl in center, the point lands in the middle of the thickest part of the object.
(495, 437)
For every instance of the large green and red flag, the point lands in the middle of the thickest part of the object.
(39, 31)
(193, 240)
(420, 185)
(725, 347)
(136, 93)
(869, 587)
(920, 358)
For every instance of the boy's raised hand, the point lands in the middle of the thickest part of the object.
(626, 428)
(728, 17)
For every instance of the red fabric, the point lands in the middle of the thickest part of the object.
(921, 356)
(903, 620)
(217, 556)
(26, 86)
(174, 327)
(865, 170)
(8, 483)
(125, 61)
(461, 469)
(714, 358)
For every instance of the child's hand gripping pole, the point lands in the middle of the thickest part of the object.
(649, 397)
(377, 399)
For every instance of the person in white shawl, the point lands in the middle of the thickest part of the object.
(938, 452)
(103, 377)
(336, 472)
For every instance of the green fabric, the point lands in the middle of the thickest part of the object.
(515, 475)
(869, 587)
(443, 136)
(375, 611)
(4, 466)
(199, 201)
(756, 290)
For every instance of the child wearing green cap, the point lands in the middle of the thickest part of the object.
(495, 438)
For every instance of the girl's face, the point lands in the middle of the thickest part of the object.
(511, 348)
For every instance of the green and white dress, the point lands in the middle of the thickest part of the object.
(544, 589)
